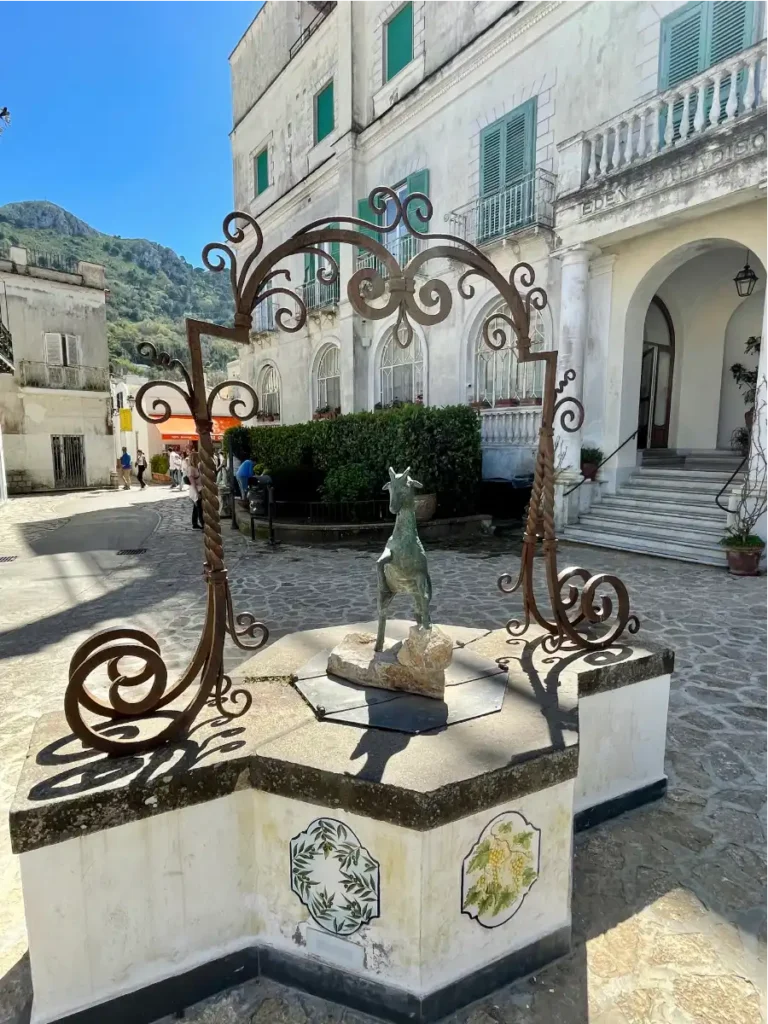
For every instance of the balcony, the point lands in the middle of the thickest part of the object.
(725, 94)
(70, 378)
(52, 261)
(323, 10)
(319, 296)
(515, 426)
(264, 317)
(403, 248)
(529, 202)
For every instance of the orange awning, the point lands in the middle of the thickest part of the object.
(182, 428)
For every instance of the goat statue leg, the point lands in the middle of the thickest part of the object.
(421, 599)
(383, 598)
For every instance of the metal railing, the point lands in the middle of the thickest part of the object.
(333, 512)
(52, 261)
(264, 317)
(530, 200)
(323, 12)
(402, 248)
(601, 464)
(723, 94)
(317, 295)
(72, 378)
(729, 481)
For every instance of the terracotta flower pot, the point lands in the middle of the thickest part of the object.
(426, 506)
(744, 561)
(589, 470)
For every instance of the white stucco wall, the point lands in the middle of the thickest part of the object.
(117, 910)
(746, 322)
(38, 304)
(469, 69)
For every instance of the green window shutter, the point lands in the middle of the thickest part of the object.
(364, 212)
(508, 149)
(324, 122)
(519, 142)
(335, 247)
(730, 30)
(262, 171)
(490, 160)
(309, 267)
(399, 32)
(419, 182)
(681, 54)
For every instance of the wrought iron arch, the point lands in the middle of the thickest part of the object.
(383, 291)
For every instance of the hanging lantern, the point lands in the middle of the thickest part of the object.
(745, 280)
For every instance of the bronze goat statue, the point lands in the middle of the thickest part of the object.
(402, 568)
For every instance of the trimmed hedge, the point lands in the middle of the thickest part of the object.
(441, 445)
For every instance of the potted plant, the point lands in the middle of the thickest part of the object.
(502, 403)
(483, 403)
(590, 462)
(158, 465)
(747, 504)
(322, 412)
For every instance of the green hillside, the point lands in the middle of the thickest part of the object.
(151, 288)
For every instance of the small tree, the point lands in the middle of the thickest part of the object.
(751, 499)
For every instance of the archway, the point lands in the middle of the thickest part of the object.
(681, 308)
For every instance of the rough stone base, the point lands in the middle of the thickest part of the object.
(415, 665)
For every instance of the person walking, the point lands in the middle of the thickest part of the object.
(174, 460)
(125, 469)
(195, 490)
(141, 465)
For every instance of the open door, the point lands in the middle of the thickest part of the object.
(656, 377)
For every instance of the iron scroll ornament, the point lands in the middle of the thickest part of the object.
(115, 725)
(385, 290)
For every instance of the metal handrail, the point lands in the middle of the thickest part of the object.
(600, 464)
(728, 482)
(318, 19)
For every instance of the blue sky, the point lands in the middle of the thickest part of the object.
(121, 114)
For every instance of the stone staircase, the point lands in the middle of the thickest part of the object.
(666, 508)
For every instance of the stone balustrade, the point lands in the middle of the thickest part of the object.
(724, 94)
(514, 425)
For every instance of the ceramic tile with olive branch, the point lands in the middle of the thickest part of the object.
(334, 876)
(500, 869)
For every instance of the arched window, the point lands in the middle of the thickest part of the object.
(500, 379)
(401, 373)
(328, 380)
(269, 393)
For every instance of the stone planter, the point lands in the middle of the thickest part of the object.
(744, 561)
(161, 478)
(426, 506)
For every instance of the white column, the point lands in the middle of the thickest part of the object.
(760, 427)
(574, 308)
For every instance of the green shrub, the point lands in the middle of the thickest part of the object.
(441, 445)
(159, 463)
(353, 482)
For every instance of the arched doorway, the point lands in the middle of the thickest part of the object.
(656, 370)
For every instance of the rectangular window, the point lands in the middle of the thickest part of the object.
(324, 122)
(701, 34)
(507, 159)
(398, 41)
(262, 171)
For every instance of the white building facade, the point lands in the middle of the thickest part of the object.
(54, 381)
(619, 148)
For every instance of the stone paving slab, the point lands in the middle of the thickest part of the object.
(669, 918)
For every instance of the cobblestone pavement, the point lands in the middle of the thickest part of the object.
(669, 922)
